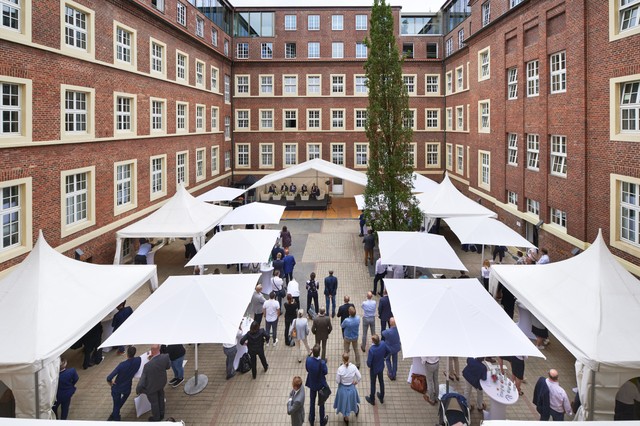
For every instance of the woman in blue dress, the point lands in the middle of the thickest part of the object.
(347, 399)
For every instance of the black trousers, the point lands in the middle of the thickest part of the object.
(254, 360)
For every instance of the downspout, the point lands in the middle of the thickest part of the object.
(37, 391)
(231, 96)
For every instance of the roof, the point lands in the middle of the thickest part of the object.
(447, 201)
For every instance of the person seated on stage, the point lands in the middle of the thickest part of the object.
(284, 188)
(272, 189)
(315, 191)
(303, 189)
(293, 188)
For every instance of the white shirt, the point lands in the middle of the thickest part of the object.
(543, 259)
(348, 374)
(369, 308)
(380, 268)
(628, 393)
(398, 271)
(558, 400)
(430, 359)
(293, 288)
(485, 272)
(271, 307)
(277, 283)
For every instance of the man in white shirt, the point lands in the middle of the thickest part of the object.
(271, 310)
(381, 272)
(544, 259)
(558, 400)
(368, 319)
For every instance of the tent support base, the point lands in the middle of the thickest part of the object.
(196, 384)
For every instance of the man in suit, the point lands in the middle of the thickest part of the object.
(295, 404)
(375, 361)
(316, 380)
(257, 303)
(330, 290)
(288, 263)
(384, 311)
(153, 381)
(343, 311)
(121, 387)
(66, 388)
(392, 339)
(119, 318)
(321, 329)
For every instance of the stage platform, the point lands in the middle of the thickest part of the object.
(299, 204)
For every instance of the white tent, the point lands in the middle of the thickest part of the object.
(254, 213)
(417, 249)
(447, 201)
(451, 317)
(591, 303)
(221, 193)
(485, 230)
(423, 184)
(47, 303)
(237, 246)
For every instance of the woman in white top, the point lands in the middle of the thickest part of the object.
(301, 326)
(277, 284)
(347, 398)
(486, 271)
(293, 288)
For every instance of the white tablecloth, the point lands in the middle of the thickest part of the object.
(524, 321)
(267, 272)
(242, 349)
(501, 394)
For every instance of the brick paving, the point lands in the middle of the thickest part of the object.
(318, 245)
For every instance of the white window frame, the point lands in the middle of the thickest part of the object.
(215, 80)
(337, 50)
(201, 74)
(130, 116)
(242, 50)
(290, 22)
(214, 37)
(157, 175)
(267, 156)
(412, 154)
(533, 151)
(360, 155)
(449, 119)
(243, 120)
(449, 156)
(199, 27)
(215, 160)
(359, 119)
(200, 119)
(227, 128)
(484, 170)
(337, 22)
(89, 113)
(215, 119)
(410, 83)
(431, 115)
(624, 18)
(121, 202)
(290, 53)
(243, 155)
(181, 14)
(512, 149)
(558, 71)
(182, 117)
(362, 22)
(484, 116)
(313, 86)
(182, 167)
(533, 207)
(313, 50)
(558, 145)
(459, 79)
(266, 50)
(558, 218)
(314, 119)
(290, 114)
(289, 154)
(624, 213)
(201, 164)
(16, 213)
(227, 89)
(409, 119)
(338, 153)
(361, 50)
(484, 64)
(460, 159)
(19, 28)
(338, 117)
(121, 48)
(289, 87)
(448, 46)
(154, 116)
(156, 61)
(533, 78)
(360, 87)
(243, 85)
(90, 200)
(512, 83)
(182, 70)
(431, 87)
(86, 30)
(432, 155)
(338, 84)
(449, 84)
(512, 198)
(227, 161)
(16, 110)
(267, 116)
(460, 118)
(486, 13)
(266, 84)
(313, 23)
(314, 150)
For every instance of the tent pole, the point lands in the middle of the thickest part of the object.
(592, 396)
(37, 389)
(196, 362)
(197, 383)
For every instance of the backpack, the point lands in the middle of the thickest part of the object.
(245, 363)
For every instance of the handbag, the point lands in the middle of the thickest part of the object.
(280, 292)
(323, 394)
(419, 383)
(294, 331)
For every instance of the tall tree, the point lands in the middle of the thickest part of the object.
(390, 205)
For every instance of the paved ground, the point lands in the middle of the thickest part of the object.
(318, 245)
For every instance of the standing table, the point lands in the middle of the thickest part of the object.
(524, 321)
(242, 349)
(503, 392)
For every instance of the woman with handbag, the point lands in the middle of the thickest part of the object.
(290, 313)
(299, 332)
(312, 292)
(347, 398)
(255, 339)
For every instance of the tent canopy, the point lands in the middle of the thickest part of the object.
(254, 213)
(590, 302)
(312, 169)
(36, 322)
(449, 317)
(485, 230)
(181, 216)
(423, 184)
(204, 309)
(447, 201)
(418, 249)
(221, 193)
(237, 246)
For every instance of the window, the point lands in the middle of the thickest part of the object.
(313, 151)
(337, 50)
(533, 152)
(214, 79)
(125, 186)
(242, 155)
(630, 107)
(242, 85)
(314, 85)
(558, 72)
(76, 26)
(533, 206)
(410, 84)
(448, 46)
(361, 88)
(432, 50)
(313, 49)
(485, 117)
(199, 26)
(486, 13)
(512, 198)
(266, 50)
(409, 119)
(449, 77)
(432, 84)
(290, 22)
(242, 50)
(266, 85)
(629, 12)
(337, 119)
(11, 10)
(407, 50)
(266, 155)
(158, 4)
(227, 127)
(182, 61)
(227, 160)
(125, 45)
(226, 48)
(242, 119)
(215, 160)
(158, 177)
(157, 58)
(76, 112)
(290, 85)
(558, 217)
(290, 119)
(459, 79)
(360, 119)
(199, 118)
(449, 156)
(512, 157)
(361, 50)
(250, 24)
(459, 118)
(290, 51)
(514, 3)
(16, 116)
(227, 89)
(337, 84)
(125, 113)
(290, 154)
(362, 154)
(200, 74)
(214, 37)
(15, 213)
(433, 154)
(266, 119)
(313, 119)
(182, 117)
(182, 168)
(200, 164)
(484, 170)
(512, 83)
(449, 113)
(313, 22)
(484, 70)
(337, 153)
(411, 154)
(78, 200)
(533, 78)
(461, 38)
(215, 116)
(337, 22)
(460, 159)
(181, 16)
(361, 22)
(433, 119)
(158, 115)
(629, 210)
(559, 155)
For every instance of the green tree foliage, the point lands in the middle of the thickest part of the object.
(390, 205)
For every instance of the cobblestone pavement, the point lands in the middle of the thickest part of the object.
(318, 245)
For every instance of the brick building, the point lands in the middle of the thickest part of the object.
(531, 106)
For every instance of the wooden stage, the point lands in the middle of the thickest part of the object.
(339, 208)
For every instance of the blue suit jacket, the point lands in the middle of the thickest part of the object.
(124, 373)
(317, 372)
(289, 262)
(392, 339)
(67, 384)
(330, 285)
(384, 309)
(375, 359)
(121, 317)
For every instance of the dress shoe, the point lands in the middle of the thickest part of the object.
(370, 400)
(324, 421)
(380, 397)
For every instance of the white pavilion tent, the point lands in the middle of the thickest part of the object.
(423, 184)
(417, 249)
(254, 213)
(447, 201)
(47, 303)
(237, 246)
(591, 303)
(221, 193)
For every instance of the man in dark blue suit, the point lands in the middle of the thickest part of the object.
(330, 290)
(121, 387)
(316, 380)
(392, 339)
(375, 361)
(66, 388)
(120, 317)
(384, 311)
